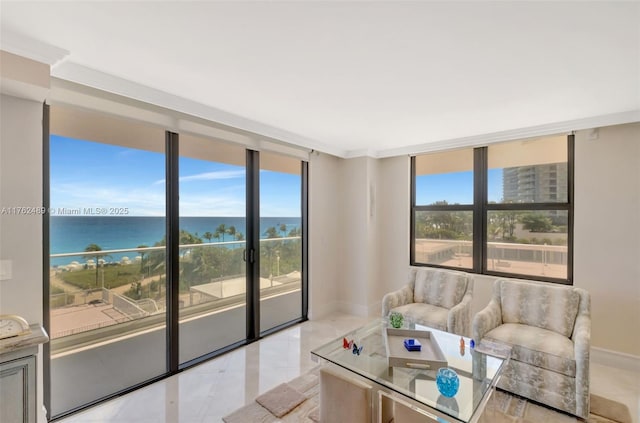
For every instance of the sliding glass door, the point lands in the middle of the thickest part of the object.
(165, 249)
(107, 283)
(280, 240)
(213, 297)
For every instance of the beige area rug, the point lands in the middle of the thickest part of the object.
(297, 401)
(506, 408)
(306, 411)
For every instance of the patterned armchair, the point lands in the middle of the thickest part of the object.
(437, 298)
(549, 329)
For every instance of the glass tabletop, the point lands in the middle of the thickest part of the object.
(364, 352)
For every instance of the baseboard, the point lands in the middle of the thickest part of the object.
(354, 309)
(615, 359)
(321, 311)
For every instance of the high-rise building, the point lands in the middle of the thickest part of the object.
(535, 184)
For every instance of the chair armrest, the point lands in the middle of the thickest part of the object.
(459, 318)
(582, 344)
(488, 318)
(397, 298)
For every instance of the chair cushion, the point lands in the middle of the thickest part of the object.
(425, 314)
(548, 307)
(438, 287)
(538, 347)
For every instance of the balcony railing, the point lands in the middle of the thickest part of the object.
(528, 259)
(101, 289)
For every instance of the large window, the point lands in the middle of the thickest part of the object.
(164, 249)
(107, 278)
(443, 224)
(213, 282)
(281, 240)
(505, 209)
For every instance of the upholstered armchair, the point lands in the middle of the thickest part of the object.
(437, 298)
(549, 329)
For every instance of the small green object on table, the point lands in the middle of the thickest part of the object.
(396, 319)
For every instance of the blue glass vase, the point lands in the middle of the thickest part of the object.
(447, 381)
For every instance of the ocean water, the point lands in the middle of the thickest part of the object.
(70, 234)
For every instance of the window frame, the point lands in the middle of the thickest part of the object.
(172, 318)
(481, 208)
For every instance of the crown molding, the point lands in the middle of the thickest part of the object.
(365, 152)
(83, 75)
(64, 69)
(32, 49)
(516, 134)
(92, 78)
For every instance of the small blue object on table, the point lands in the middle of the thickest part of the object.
(412, 344)
(448, 381)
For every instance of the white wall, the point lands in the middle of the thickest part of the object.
(344, 208)
(607, 233)
(358, 236)
(325, 230)
(21, 185)
(393, 232)
(374, 240)
(21, 235)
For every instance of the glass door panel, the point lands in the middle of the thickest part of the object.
(212, 304)
(280, 240)
(107, 262)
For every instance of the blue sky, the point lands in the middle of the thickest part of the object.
(455, 187)
(89, 174)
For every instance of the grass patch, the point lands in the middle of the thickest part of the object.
(114, 276)
(53, 290)
(58, 298)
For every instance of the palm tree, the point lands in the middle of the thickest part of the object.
(207, 235)
(157, 258)
(221, 230)
(271, 232)
(187, 238)
(231, 230)
(91, 248)
(142, 253)
(283, 229)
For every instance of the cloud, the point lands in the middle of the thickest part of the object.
(139, 201)
(148, 201)
(220, 204)
(209, 176)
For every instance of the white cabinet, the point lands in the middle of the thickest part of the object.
(18, 366)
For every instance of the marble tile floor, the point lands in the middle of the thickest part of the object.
(211, 390)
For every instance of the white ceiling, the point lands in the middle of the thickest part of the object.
(349, 78)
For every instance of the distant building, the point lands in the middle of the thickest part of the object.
(535, 184)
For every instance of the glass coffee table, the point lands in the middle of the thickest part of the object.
(478, 370)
